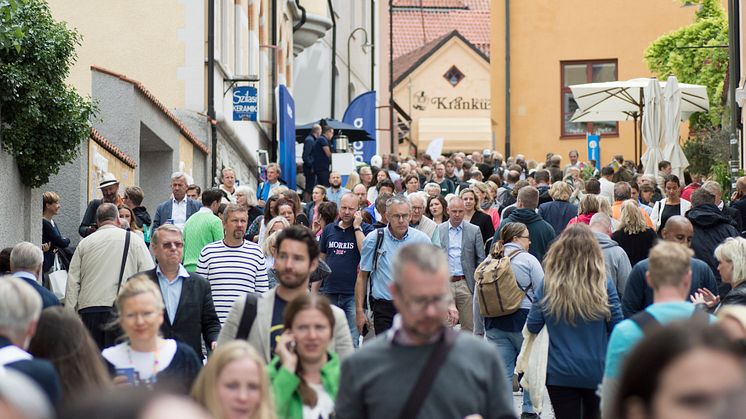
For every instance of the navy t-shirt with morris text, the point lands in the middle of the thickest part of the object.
(342, 256)
(278, 322)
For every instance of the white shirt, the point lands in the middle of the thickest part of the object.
(324, 406)
(607, 189)
(142, 362)
(179, 212)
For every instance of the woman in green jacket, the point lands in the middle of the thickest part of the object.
(304, 374)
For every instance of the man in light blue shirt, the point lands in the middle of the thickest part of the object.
(189, 314)
(670, 276)
(335, 191)
(171, 289)
(396, 234)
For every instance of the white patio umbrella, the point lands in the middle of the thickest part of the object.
(672, 121)
(625, 99)
(652, 126)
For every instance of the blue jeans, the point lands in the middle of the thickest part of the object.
(346, 303)
(509, 345)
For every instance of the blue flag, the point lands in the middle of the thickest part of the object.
(286, 113)
(361, 113)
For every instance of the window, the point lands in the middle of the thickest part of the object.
(579, 72)
(454, 76)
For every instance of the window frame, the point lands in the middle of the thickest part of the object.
(589, 79)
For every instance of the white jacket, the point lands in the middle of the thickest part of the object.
(657, 214)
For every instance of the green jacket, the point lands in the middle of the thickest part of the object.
(285, 385)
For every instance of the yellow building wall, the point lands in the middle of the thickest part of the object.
(138, 38)
(186, 156)
(545, 32)
(101, 161)
(425, 93)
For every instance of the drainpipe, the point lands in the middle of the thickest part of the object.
(274, 142)
(394, 140)
(507, 78)
(733, 81)
(302, 16)
(211, 87)
(372, 43)
(334, 55)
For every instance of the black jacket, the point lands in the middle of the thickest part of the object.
(734, 214)
(143, 218)
(195, 314)
(40, 371)
(711, 228)
(736, 296)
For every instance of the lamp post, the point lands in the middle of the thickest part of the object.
(349, 61)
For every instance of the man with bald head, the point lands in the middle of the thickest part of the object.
(638, 294)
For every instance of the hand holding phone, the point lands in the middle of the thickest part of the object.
(285, 349)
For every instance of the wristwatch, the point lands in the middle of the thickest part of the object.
(358, 229)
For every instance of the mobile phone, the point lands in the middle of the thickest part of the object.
(291, 346)
(129, 373)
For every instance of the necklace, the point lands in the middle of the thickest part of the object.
(150, 382)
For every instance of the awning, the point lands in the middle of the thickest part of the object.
(460, 134)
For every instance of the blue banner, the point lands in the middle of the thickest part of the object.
(594, 149)
(361, 113)
(244, 103)
(286, 114)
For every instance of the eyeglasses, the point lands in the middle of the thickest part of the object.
(524, 237)
(417, 208)
(397, 216)
(175, 245)
(420, 304)
(146, 315)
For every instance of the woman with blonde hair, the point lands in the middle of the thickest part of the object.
(246, 197)
(579, 306)
(634, 235)
(234, 384)
(146, 359)
(604, 207)
(475, 215)
(731, 257)
(559, 211)
(484, 202)
(352, 180)
(588, 207)
(738, 199)
(274, 225)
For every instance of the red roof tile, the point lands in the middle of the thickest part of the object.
(158, 104)
(111, 148)
(431, 3)
(409, 34)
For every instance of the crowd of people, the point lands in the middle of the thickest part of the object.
(429, 287)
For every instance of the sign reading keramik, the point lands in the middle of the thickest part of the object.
(245, 103)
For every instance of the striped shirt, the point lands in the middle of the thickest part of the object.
(232, 272)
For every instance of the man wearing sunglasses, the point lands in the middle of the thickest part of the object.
(189, 312)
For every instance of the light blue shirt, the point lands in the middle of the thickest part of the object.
(384, 272)
(335, 196)
(454, 249)
(171, 290)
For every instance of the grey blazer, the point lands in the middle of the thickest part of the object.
(341, 343)
(472, 248)
(164, 210)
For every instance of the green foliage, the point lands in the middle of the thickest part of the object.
(10, 32)
(706, 149)
(43, 119)
(705, 66)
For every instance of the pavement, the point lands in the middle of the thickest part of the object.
(546, 410)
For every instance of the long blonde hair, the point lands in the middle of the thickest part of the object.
(205, 389)
(575, 277)
(630, 220)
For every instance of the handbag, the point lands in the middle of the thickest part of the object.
(58, 276)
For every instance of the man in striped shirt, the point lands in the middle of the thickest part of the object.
(233, 266)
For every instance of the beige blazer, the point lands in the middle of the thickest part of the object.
(341, 343)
